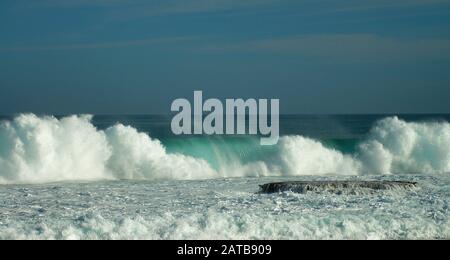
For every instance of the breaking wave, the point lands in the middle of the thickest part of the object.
(46, 149)
(393, 146)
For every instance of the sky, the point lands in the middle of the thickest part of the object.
(137, 56)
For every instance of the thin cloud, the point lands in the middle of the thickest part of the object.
(73, 3)
(137, 9)
(172, 7)
(346, 47)
(103, 45)
(186, 6)
(355, 6)
(169, 6)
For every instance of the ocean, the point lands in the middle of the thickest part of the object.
(129, 177)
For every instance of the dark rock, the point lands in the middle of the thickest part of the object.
(335, 186)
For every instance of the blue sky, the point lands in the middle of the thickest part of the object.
(135, 57)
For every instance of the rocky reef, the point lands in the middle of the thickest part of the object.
(336, 186)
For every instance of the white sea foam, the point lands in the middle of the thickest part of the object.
(393, 146)
(45, 149)
(34, 149)
(223, 209)
(214, 225)
(304, 156)
(137, 156)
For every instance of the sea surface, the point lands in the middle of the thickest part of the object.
(129, 177)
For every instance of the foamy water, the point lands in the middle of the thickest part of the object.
(68, 179)
(222, 209)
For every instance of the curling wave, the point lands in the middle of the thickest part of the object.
(46, 149)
